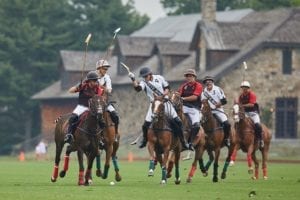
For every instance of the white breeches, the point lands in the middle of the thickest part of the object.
(193, 113)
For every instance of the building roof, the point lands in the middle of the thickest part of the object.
(181, 27)
(173, 48)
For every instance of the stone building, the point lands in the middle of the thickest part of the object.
(216, 44)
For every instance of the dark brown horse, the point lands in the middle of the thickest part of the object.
(86, 141)
(247, 142)
(197, 141)
(111, 146)
(161, 140)
(214, 142)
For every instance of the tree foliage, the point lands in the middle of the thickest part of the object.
(176, 7)
(32, 33)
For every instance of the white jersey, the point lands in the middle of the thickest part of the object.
(106, 82)
(216, 94)
(158, 82)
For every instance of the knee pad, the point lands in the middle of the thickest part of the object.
(145, 126)
(258, 128)
(226, 126)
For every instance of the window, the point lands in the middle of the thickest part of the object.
(287, 61)
(286, 117)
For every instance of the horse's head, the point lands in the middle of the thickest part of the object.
(157, 107)
(238, 112)
(96, 106)
(176, 101)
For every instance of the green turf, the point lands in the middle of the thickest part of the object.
(31, 180)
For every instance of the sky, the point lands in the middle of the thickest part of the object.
(152, 8)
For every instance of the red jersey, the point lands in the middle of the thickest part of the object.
(191, 88)
(86, 92)
(250, 97)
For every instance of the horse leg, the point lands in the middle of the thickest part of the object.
(231, 149)
(66, 162)
(216, 164)
(177, 175)
(98, 164)
(107, 160)
(170, 164)
(118, 177)
(152, 159)
(249, 159)
(163, 166)
(264, 152)
(233, 157)
(210, 160)
(256, 163)
(81, 167)
(58, 151)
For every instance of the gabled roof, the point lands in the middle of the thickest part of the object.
(274, 25)
(137, 46)
(73, 60)
(53, 91)
(181, 28)
(173, 48)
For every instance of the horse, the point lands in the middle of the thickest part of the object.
(161, 140)
(197, 141)
(86, 141)
(247, 142)
(214, 142)
(111, 146)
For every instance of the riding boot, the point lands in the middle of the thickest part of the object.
(178, 130)
(145, 128)
(71, 128)
(115, 118)
(194, 131)
(226, 129)
(258, 132)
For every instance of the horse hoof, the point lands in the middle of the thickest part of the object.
(265, 178)
(169, 175)
(189, 180)
(177, 181)
(62, 174)
(223, 176)
(231, 163)
(104, 177)
(98, 173)
(163, 182)
(215, 179)
(151, 172)
(53, 179)
(250, 171)
(254, 178)
(118, 178)
(205, 174)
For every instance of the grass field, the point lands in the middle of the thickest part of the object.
(31, 180)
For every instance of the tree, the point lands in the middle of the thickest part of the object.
(32, 33)
(176, 7)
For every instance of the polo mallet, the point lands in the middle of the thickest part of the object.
(87, 40)
(111, 42)
(245, 69)
(137, 139)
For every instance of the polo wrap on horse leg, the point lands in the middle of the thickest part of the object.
(145, 128)
(177, 127)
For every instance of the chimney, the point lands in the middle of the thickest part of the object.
(208, 12)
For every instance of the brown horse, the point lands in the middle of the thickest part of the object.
(161, 140)
(214, 142)
(198, 141)
(247, 142)
(86, 141)
(111, 146)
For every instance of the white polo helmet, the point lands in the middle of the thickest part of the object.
(102, 63)
(245, 84)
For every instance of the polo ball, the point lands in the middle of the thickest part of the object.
(112, 183)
